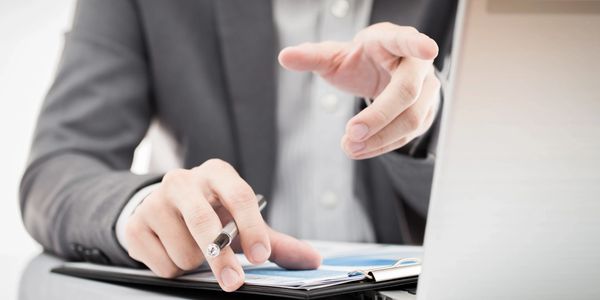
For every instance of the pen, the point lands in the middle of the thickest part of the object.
(229, 232)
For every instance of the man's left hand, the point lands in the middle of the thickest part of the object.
(385, 62)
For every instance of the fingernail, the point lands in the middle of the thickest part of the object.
(259, 253)
(358, 131)
(355, 147)
(230, 278)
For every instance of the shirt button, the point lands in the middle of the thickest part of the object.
(340, 8)
(329, 103)
(329, 200)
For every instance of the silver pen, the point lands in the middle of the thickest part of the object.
(229, 232)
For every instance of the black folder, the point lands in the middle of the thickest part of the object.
(336, 290)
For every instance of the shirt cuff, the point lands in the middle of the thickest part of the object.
(128, 211)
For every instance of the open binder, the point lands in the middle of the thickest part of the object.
(341, 273)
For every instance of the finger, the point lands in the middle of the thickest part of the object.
(239, 199)
(377, 152)
(412, 122)
(145, 247)
(322, 58)
(402, 91)
(400, 143)
(204, 225)
(168, 225)
(291, 253)
(400, 41)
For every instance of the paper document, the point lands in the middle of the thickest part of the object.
(342, 263)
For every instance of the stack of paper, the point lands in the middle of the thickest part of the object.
(342, 263)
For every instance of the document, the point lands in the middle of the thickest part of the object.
(342, 263)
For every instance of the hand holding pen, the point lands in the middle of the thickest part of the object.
(171, 230)
(230, 232)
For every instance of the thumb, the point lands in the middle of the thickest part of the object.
(291, 253)
(317, 57)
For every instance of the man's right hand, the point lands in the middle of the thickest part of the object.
(170, 231)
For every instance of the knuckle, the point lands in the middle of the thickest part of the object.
(169, 192)
(412, 120)
(174, 175)
(362, 34)
(409, 90)
(378, 141)
(200, 220)
(381, 116)
(411, 29)
(173, 183)
(240, 197)
(385, 24)
(216, 164)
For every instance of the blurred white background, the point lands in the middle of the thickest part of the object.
(31, 39)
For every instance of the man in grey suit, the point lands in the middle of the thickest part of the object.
(207, 70)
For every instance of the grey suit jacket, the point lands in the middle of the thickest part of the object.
(205, 69)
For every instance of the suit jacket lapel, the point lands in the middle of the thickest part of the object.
(247, 40)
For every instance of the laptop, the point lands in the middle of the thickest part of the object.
(515, 206)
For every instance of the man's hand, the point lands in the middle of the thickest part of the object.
(385, 62)
(170, 231)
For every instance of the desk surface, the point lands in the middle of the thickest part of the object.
(36, 282)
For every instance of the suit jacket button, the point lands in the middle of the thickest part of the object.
(78, 249)
(97, 257)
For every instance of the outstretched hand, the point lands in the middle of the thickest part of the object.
(385, 62)
(170, 231)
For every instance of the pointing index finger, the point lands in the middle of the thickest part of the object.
(241, 202)
(317, 57)
(204, 224)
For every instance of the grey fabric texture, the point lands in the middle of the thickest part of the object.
(205, 70)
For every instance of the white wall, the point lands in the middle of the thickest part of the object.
(31, 38)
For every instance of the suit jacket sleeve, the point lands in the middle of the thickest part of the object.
(98, 109)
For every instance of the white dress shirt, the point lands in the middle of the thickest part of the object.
(313, 190)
